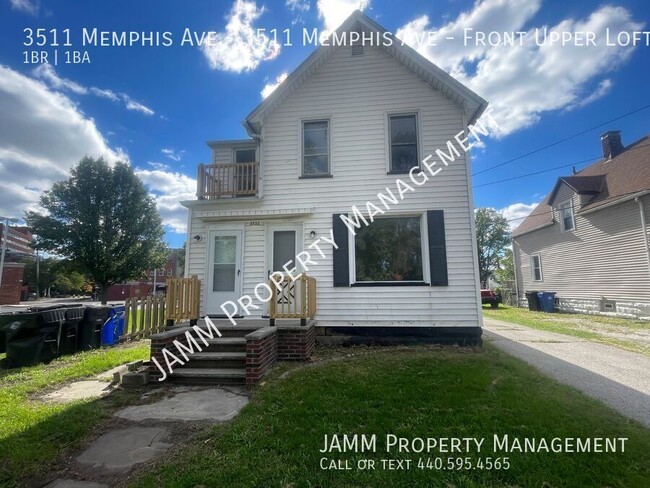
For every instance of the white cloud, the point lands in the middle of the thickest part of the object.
(241, 47)
(516, 213)
(300, 5)
(44, 134)
(48, 74)
(27, 6)
(522, 82)
(172, 154)
(603, 88)
(270, 87)
(169, 189)
(334, 12)
(138, 107)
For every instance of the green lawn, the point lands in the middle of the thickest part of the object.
(410, 392)
(33, 433)
(615, 331)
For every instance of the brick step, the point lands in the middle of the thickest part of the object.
(225, 344)
(209, 376)
(216, 360)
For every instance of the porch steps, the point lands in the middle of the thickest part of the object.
(209, 376)
(221, 362)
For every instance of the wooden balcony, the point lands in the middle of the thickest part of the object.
(227, 180)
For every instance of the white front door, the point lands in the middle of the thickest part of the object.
(224, 269)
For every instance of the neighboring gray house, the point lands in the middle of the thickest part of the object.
(338, 131)
(588, 240)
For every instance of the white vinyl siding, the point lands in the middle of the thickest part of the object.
(356, 94)
(604, 257)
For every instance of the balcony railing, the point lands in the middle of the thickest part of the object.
(227, 180)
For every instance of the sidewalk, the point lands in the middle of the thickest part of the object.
(618, 378)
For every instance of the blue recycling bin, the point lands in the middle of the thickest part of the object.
(113, 328)
(546, 301)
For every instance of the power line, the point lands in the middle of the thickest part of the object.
(562, 140)
(555, 168)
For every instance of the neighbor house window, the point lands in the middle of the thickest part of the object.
(566, 215)
(536, 267)
(315, 148)
(403, 142)
(389, 249)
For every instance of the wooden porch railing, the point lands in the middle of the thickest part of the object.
(227, 180)
(143, 316)
(183, 299)
(294, 299)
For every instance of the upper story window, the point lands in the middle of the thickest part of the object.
(536, 267)
(566, 216)
(315, 148)
(245, 155)
(403, 134)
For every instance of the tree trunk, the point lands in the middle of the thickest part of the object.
(103, 293)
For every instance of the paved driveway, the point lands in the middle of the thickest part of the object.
(618, 378)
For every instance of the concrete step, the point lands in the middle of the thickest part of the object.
(225, 344)
(209, 376)
(239, 330)
(216, 360)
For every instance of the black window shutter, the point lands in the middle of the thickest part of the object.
(437, 247)
(341, 255)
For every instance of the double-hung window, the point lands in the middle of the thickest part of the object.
(403, 139)
(566, 216)
(315, 148)
(536, 267)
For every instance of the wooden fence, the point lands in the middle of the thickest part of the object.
(294, 299)
(143, 317)
(183, 299)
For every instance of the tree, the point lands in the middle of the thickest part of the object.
(44, 279)
(103, 221)
(505, 274)
(492, 237)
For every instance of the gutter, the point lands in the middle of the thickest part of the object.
(633, 196)
(643, 229)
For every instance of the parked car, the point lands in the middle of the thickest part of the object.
(489, 296)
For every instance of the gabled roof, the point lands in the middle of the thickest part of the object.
(609, 181)
(582, 185)
(473, 104)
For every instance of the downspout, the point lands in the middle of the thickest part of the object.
(643, 228)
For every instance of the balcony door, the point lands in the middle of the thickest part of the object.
(224, 281)
(245, 174)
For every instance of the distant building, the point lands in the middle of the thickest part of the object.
(145, 285)
(19, 241)
(12, 281)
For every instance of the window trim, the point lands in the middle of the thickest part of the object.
(424, 247)
(564, 205)
(244, 148)
(301, 169)
(532, 267)
(418, 142)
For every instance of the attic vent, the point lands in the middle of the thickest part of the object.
(357, 49)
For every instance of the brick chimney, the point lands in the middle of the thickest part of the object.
(612, 145)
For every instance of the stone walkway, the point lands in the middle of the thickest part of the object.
(146, 431)
(618, 378)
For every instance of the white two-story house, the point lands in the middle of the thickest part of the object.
(343, 127)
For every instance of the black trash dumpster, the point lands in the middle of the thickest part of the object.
(90, 328)
(74, 314)
(34, 336)
(5, 320)
(533, 301)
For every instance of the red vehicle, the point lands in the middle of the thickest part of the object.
(488, 296)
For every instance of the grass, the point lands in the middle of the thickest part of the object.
(596, 328)
(33, 433)
(410, 392)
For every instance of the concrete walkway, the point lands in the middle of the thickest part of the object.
(618, 378)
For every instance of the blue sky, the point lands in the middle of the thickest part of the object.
(158, 105)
